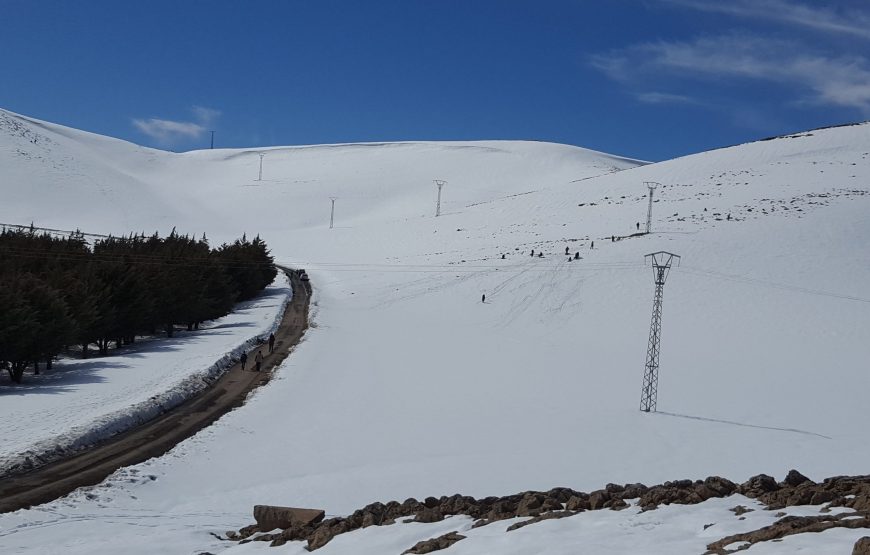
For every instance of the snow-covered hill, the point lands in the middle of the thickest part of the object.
(410, 386)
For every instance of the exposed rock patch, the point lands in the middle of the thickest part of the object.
(795, 489)
(786, 527)
(436, 544)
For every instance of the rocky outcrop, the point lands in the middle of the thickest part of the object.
(786, 527)
(795, 489)
(270, 517)
(436, 544)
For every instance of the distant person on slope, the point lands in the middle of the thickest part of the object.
(271, 342)
(243, 359)
(483, 298)
(566, 250)
(258, 361)
(638, 226)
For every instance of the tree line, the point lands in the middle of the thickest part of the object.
(58, 293)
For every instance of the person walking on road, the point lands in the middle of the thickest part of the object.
(271, 342)
(243, 359)
(258, 361)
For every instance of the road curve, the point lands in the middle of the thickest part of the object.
(158, 436)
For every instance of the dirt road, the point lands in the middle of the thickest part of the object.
(164, 432)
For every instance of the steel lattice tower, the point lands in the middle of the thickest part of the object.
(439, 183)
(661, 264)
(651, 185)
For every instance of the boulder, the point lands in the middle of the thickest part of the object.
(576, 503)
(758, 485)
(795, 478)
(862, 546)
(270, 517)
(429, 515)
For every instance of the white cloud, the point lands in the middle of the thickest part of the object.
(819, 17)
(812, 77)
(167, 131)
(654, 97)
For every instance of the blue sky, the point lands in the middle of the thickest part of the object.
(651, 79)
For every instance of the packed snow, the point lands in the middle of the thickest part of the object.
(408, 385)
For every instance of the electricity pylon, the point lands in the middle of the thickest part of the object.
(661, 263)
(439, 183)
(651, 185)
(332, 212)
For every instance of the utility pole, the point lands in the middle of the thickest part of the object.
(661, 264)
(212, 139)
(651, 185)
(260, 177)
(332, 212)
(439, 183)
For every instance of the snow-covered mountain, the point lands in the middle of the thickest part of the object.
(408, 385)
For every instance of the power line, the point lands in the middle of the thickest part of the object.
(776, 285)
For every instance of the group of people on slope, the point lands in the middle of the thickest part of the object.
(258, 358)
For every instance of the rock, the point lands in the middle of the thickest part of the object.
(823, 496)
(248, 531)
(862, 546)
(758, 485)
(435, 544)
(429, 515)
(740, 510)
(795, 478)
(721, 486)
(616, 504)
(633, 491)
(270, 517)
(431, 502)
(545, 516)
(576, 503)
(530, 505)
(597, 499)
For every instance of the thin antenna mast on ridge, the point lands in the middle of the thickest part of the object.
(260, 177)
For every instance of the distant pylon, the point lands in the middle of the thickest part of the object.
(332, 212)
(651, 185)
(439, 183)
(661, 263)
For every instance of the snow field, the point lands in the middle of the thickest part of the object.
(407, 385)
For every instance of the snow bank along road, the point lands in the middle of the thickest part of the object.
(161, 434)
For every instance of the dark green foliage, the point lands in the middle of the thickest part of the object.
(57, 292)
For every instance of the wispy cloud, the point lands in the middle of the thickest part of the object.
(816, 16)
(167, 131)
(654, 97)
(813, 77)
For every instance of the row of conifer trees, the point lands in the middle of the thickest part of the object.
(59, 293)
